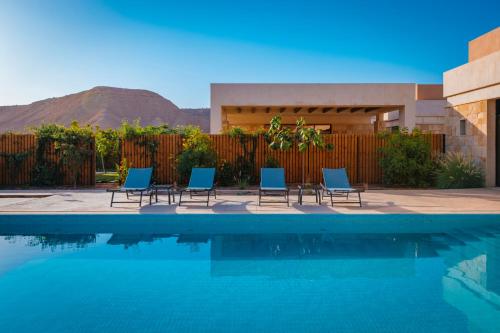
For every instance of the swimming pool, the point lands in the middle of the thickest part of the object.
(230, 273)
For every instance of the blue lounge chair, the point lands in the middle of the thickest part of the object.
(138, 180)
(336, 184)
(272, 183)
(201, 180)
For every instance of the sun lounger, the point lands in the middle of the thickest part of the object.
(201, 180)
(336, 184)
(272, 183)
(138, 180)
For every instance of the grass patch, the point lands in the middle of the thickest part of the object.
(108, 177)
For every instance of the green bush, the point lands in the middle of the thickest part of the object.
(73, 144)
(225, 174)
(197, 152)
(457, 170)
(107, 144)
(271, 162)
(406, 159)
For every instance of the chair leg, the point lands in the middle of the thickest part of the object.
(215, 193)
(151, 197)
(140, 200)
(208, 198)
(260, 195)
(331, 198)
(126, 192)
(180, 198)
(287, 199)
(347, 195)
(359, 197)
(112, 197)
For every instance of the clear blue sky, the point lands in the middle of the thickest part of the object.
(177, 48)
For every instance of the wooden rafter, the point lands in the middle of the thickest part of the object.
(297, 109)
(312, 109)
(325, 110)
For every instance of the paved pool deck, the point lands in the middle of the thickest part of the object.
(383, 201)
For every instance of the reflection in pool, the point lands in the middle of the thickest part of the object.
(310, 282)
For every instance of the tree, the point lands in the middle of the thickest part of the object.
(284, 138)
(107, 145)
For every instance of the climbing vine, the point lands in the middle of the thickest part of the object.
(14, 162)
(74, 146)
(146, 136)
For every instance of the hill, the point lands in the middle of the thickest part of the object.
(106, 107)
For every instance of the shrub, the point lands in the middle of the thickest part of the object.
(271, 162)
(197, 152)
(73, 144)
(107, 144)
(406, 159)
(457, 170)
(225, 174)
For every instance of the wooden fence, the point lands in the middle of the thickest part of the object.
(14, 145)
(359, 154)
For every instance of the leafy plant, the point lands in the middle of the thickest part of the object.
(147, 136)
(45, 171)
(14, 162)
(197, 152)
(457, 170)
(271, 162)
(74, 144)
(244, 167)
(107, 143)
(122, 170)
(225, 173)
(406, 159)
(284, 138)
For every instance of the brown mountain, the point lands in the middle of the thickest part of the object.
(106, 107)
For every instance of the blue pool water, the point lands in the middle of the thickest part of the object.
(233, 274)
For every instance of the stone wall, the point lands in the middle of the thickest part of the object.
(474, 142)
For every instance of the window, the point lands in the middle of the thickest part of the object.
(462, 126)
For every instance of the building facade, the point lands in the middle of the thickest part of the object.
(333, 108)
(465, 108)
(472, 92)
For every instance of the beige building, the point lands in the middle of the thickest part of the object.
(334, 108)
(473, 113)
(465, 108)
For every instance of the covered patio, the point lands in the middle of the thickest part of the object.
(330, 119)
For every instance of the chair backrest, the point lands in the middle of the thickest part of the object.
(138, 178)
(202, 178)
(272, 177)
(335, 178)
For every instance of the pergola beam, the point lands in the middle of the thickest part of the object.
(356, 109)
(297, 109)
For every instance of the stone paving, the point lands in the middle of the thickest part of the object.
(384, 201)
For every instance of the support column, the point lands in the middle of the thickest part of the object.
(408, 116)
(490, 167)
